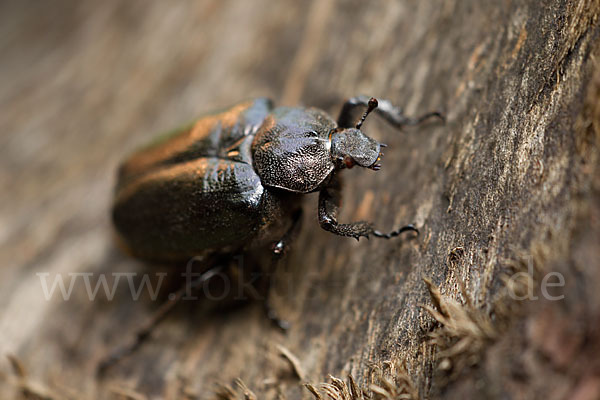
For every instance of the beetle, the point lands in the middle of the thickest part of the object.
(234, 180)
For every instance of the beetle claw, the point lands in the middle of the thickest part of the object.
(397, 232)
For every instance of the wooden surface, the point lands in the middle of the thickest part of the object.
(512, 177)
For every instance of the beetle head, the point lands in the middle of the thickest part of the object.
(350, 147)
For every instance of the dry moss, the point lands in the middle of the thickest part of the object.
(389, 382)
(466, 330)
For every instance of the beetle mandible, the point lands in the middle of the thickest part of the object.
(234, 180)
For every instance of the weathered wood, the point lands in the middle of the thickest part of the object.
(512, 176)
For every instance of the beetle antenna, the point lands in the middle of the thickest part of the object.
(370, 107)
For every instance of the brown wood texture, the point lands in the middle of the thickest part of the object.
(510, 181)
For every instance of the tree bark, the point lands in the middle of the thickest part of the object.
(506, 195)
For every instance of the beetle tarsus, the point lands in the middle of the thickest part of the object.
(424, 117)
(397, 232)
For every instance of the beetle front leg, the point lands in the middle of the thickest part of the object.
(393, 115)
(330, 199)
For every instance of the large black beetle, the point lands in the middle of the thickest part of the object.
(234, 180)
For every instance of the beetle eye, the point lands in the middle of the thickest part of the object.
(349, 162)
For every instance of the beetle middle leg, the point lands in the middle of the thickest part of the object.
(393, 115)
(280, 248)
(143, 333)
(283, 244)
(330, 199)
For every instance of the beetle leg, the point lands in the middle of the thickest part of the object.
(164, 310)
(406, 228)
(279, 250)
(330, 199)
(393, 115)
(261, 292)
